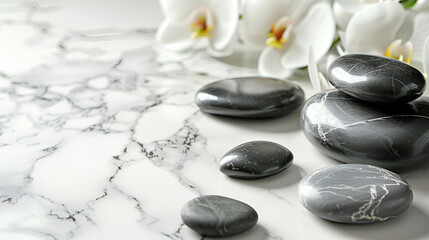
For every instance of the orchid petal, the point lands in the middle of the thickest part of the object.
(258, 17)
(420, 33)
(372, 29)
(345, 9)
(226, 51)
(269, 64)
(324, 83)
(318, 22)
(354, 5)
(407, 27)
(313, 72)
(408, 51)
(317, 79)
(226, 19)
(340, 50)
(178, 11)
(426, 56)
(394, 48)
(174, 36)
(342, 16)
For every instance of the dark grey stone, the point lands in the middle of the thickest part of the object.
(393, 136)
(250, 97)
(217, 216)
(376, 79)
(355, 193)
(254, 160)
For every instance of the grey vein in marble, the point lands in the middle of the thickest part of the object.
(395, 137)
(355, 193)
(45, 116)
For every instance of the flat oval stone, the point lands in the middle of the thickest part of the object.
(393, 136)
(250, 97)
(254, 160)
(217, 216)
(355, 193)
(376, 79)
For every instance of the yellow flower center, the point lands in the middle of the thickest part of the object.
(279, 33)
(399, 51)
(201, 23)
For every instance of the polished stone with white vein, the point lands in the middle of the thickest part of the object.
(393, 136)
(250, 97)
(218, 216)
(355, 193)
(256, 159)
(376, 79)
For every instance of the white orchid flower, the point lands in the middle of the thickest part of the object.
(285, 30)
(345, 9)
(387, 29)
(187, 21)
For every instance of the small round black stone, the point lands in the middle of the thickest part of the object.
(217, 216)
(355, 193)
(254, 160)
(250, 97)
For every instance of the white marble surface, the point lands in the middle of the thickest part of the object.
(100, 137)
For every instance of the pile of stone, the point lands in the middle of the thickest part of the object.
(373, 121)
(372, 117)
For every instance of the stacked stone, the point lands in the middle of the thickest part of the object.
(372, 118)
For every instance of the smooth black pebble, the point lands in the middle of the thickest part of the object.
(393, 136)
(250, 97)
(217, 216)
(355, 193)
(376, 79)
(254, 160)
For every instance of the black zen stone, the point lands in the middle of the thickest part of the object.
(355, 193)
(376, 79)
(250, 97)
(217, 216)
(254, 160)
(392, 136)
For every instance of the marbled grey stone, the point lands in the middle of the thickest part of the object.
(355, 193)
(217, 216)
(376, 79)
(250, 97)
(254, 160)
(393, 136)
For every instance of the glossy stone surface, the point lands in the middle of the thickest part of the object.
(217, 216)
(254, 160)
(376, 79)
(250, 97)
(393, 136)
(355, 193)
